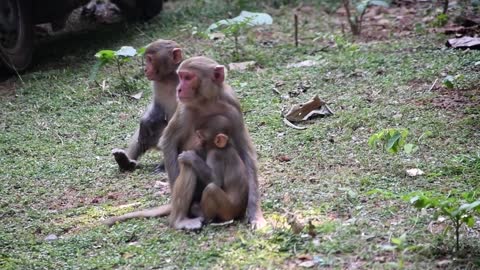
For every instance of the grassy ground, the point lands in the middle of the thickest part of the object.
(57, 176)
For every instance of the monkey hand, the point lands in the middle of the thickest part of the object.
(187, 157)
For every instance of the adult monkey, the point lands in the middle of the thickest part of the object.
(223, 180)
(217, 164)
(162, 58)
(201, 93)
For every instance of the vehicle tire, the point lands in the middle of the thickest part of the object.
(16, 34)
(140, 9)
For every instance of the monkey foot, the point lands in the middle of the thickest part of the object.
(258, 223)
(189, 224)
(125, 163)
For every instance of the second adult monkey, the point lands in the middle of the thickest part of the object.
(162, 58)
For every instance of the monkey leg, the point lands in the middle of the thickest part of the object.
(160, 211)
(182, 196)
(146, 137)
(216, 203)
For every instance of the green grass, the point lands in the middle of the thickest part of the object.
(57, 175)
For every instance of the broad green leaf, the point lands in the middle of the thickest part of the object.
(408, 148)
(470, 206)
(396, 241)
(126, 51)
(105, 55)
(448, 82)
(419, 202)
(392, 143)
(141, 51)
(373, 139)
(251, 18)
(469, 220)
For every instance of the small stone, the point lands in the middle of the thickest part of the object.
(51, 237)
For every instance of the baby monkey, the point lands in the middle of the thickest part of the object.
(217, 164)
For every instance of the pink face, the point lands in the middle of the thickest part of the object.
(150, 71)
(187, 86)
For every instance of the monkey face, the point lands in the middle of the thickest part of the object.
(150, 70)
(188, 86)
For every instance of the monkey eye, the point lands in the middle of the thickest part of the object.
(187, 77)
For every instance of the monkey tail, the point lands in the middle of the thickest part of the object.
(159, 211)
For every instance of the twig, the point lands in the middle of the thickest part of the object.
(275, 90)
(433, 85)
(295, 16)
(288, 123)
(222, 223)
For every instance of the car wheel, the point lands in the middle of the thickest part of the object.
(16, 34)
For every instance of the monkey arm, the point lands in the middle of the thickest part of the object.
(169, 143)
(200, 167)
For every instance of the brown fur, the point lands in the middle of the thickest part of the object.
(210, 99)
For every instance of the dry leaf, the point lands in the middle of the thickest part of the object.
(307, 264)
(307, 63)
(283, 158)
(313, 107)
(242, 66)
(137, 96)
(414, 172)
(464, 43)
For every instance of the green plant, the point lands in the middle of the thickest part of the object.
(392, 140)
(452, 81)
(118, 58)
(234, 28)
(355, 20)
(459, 211)
(400, 246)
(440, 20)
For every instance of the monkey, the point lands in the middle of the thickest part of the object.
(216, 162)
(202, 92)
(162, 57)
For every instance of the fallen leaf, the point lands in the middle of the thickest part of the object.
(160, 184)
(464, 43)
(307, 264)
(313, 107)
(414, 172)
(444, 263)
(283, 158)
(137, 96)
(51, 237)
(306, 63)
(242, 66)
(305, 257)
(216, 36)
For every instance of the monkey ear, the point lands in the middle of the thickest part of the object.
(177, 55)
(221, 140)
(219, 74)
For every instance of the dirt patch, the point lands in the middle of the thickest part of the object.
(72, 198)
(8, 88)
(452, 99)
